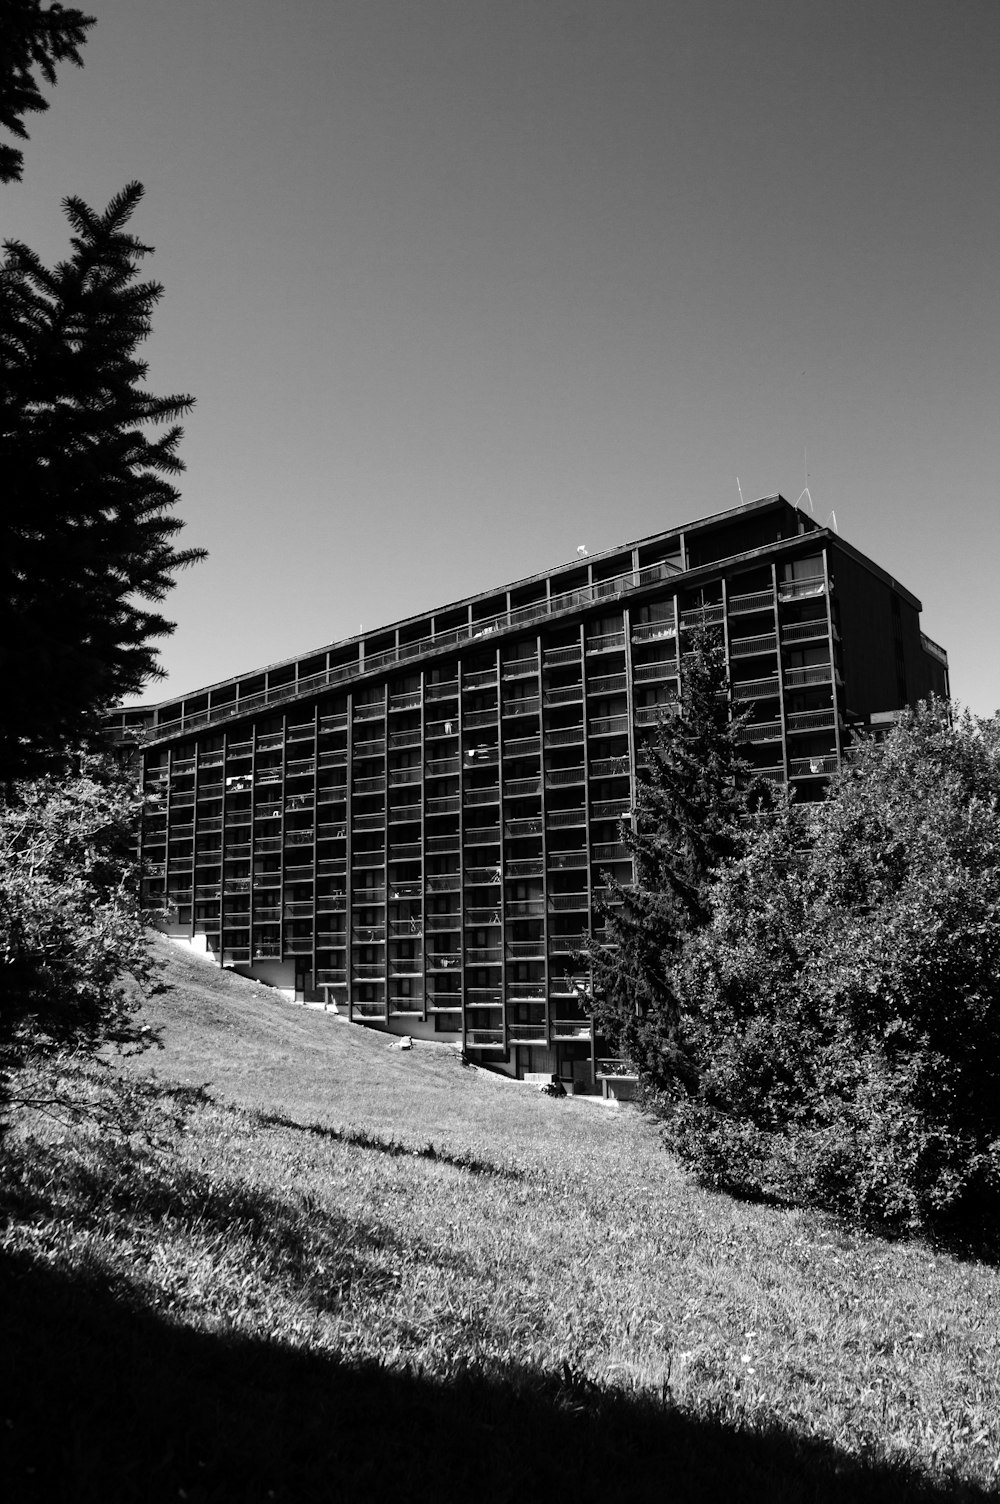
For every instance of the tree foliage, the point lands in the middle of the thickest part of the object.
(842, 1009)
(692, 789)
(74, 954)
(87, 535)
(33, 39)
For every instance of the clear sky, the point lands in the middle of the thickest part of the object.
(462, 284)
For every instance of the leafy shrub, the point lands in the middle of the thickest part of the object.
(843, 1005)
(74, 952)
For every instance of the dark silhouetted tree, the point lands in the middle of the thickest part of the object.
(692, 790)
(33, 39)
(87, 534)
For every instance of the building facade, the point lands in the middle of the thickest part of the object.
(415, 824)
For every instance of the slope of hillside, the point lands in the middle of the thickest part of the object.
(350, 1273)
(248, 1045)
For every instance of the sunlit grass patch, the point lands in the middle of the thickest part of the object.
(483, 1245)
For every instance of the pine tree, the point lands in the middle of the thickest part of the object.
(692, 791)
(32, 40)
(87, 536)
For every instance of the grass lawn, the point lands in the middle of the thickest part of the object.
(349, 1272)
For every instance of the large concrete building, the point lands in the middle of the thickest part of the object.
(414, 823)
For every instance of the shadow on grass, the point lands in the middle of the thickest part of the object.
(360, 1138)
(101, 1399)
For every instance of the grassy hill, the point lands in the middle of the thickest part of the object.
(321, 1268)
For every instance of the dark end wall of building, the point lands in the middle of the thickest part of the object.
(871, 616)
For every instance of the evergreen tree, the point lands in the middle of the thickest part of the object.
(32, 41)
(692, 789)
(86, 533)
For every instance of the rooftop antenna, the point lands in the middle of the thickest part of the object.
(805, 476)
(740, 489)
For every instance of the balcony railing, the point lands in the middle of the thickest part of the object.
(755, 600)
(556, 819)
(763, 731)
(653, 631)
(800, 631)
(405, 652)
(564, 694)
(934, 649)
(797, 590)
(607, 642)
(820, 673)
(757, 689)
(811, 767)
(746, 647)
(527, 705)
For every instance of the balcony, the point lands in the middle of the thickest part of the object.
(529, 867)
(486, 1039)
(438, 924)
(612, 851)
(804, 631)
(482, 835)
(560, 861)
(373, 712)
(523, 746)
(702, 616)
(530, 826)
(610, 809)
(757, 689)
(445, 805)
(408, 700)
(749, 647)
(299, 945)
(528, 1033)
(934, 649)
(566, 736)
(562, 777)
(569, 903)
(662, 668)
(488, 955)
(557, 657)
(564, 694)
(611, 767)
(610, 725)
(755, 600)
(520, 788)
(763, 731)
(798, 678)
(446, 690)
(525, 950)
(559, 819)
(653, 631)
(798, 590)
(473, 719)
(527, 705)
(608, 684)
(811, 720)
(607, 642)
(521, 908)
(813, 767)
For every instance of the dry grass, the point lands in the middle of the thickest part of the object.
(359, 1273)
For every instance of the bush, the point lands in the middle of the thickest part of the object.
(74, 954)
(843, 1005)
